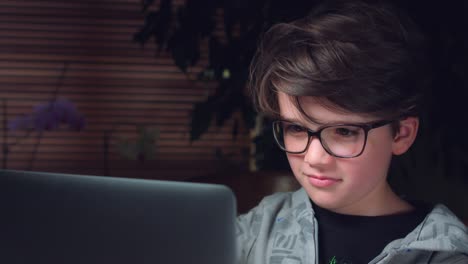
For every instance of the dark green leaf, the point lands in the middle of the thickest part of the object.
(235, 129)
(201, 119)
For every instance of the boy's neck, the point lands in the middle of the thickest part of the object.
(392, 204)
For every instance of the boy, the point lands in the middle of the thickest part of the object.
(344, 85)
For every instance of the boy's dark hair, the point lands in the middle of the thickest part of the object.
(354, 56)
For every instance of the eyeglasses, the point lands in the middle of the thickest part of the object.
(342, 141)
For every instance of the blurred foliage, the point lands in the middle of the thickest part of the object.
(50, 116)
(181, 32)
(142, 148)
(54, 114)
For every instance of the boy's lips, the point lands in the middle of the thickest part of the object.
(321, 181)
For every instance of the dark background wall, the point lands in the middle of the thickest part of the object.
(84, 50)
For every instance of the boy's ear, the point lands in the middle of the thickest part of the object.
(406, 135)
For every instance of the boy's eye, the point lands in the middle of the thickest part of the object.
(346, 131)
(294, 128)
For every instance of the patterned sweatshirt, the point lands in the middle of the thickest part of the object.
(282, 229)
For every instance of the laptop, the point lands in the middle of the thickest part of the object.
(66, 219)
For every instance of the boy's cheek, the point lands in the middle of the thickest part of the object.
(296, 163)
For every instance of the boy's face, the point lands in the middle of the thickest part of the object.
(343, 185)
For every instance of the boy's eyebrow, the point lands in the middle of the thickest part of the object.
(318, 122)
(297, 121)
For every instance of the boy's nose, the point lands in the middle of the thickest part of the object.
(316, 154)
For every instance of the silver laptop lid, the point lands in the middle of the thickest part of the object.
(61, 218)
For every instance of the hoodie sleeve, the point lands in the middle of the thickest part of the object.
(448, 258)
(247, 229)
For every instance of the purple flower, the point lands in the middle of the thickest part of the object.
(49, 116)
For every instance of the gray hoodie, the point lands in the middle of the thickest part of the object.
(282, 229)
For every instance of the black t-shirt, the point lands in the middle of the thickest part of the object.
(349, 239)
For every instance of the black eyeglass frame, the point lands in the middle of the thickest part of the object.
(310, 133)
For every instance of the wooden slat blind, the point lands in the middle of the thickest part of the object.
(114, 82)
